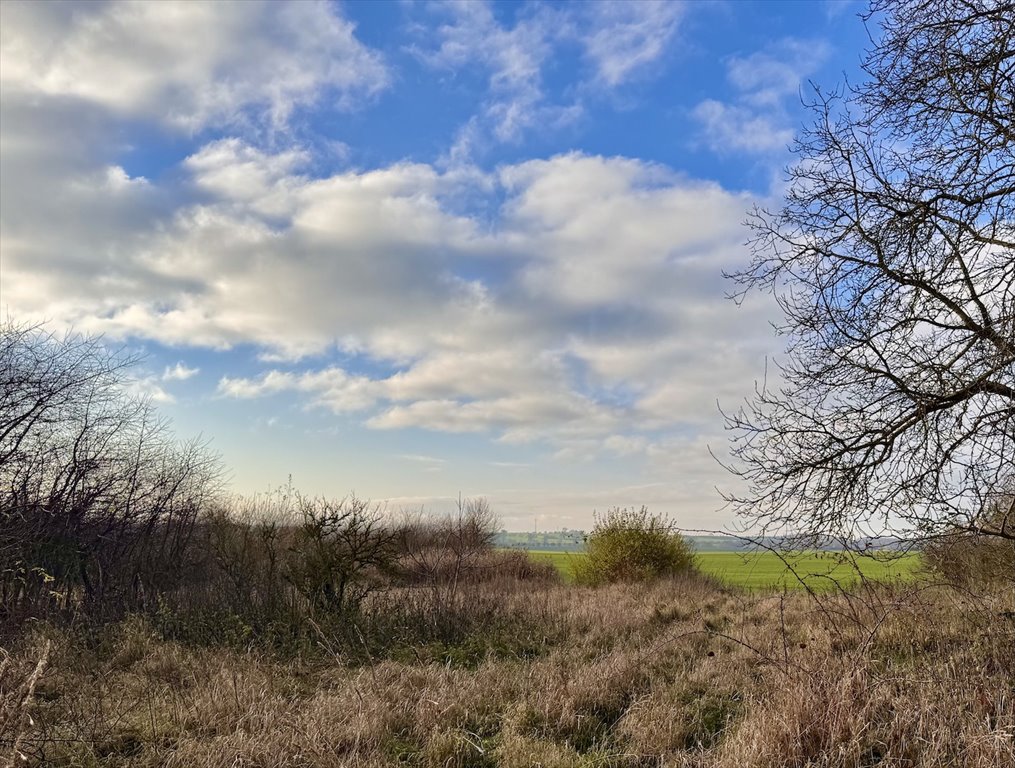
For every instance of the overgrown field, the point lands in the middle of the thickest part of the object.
(146, 619)
(676, 673)
(819, 571)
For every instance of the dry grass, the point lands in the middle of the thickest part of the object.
(18, 678)
(671, 674)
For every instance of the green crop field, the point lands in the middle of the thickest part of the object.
(762, 570)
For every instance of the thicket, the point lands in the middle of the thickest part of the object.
(300, 575)
(964, 557)
(99, 503)
(633, 545)
(104, 514)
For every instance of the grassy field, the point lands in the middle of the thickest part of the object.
(675, 674)
(763, 570)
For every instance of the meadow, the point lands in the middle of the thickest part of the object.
(818, 571)
(677, 673)
(452, 653)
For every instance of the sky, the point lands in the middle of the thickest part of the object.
(418, 250)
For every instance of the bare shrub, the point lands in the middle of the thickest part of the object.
(965, 557)
(340, 552)
(279, 570)
(439, 555)
(443, 548)
(447, 588)
(968, 560)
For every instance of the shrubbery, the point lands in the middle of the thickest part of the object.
(98, 501)
(981, 555)
(296, 574)
(103, 515)
(633, 545)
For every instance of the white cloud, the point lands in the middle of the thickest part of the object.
(148, 387)
(331, 387)
(346, 251)
(476, 372)
(596, 327)
(579, 316)
(765, 77)
(757, 120)
(519, 418)
(513, 58)
(621, 41)
(625, 38)
(179, 372)
(72, 216)
(738, 128)
(188, 64)
(232, 169)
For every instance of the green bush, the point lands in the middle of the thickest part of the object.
(633, 545)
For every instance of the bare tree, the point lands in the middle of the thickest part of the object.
(893, 262)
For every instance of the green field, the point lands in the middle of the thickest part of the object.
(762, 570)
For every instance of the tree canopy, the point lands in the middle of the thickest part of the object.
(892, 259)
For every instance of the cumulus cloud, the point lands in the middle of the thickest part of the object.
(188, 65)
(74, 75)
(581, 314)
(179, 372)
(604, 287)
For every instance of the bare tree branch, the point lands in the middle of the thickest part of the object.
(893, 262)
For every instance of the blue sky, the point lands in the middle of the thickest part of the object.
(411, 250)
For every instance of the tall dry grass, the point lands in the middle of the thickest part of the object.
(676, 673)
(18, 678)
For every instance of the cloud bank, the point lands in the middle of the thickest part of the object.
(573, 302)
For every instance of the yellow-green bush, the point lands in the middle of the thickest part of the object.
(633, 545)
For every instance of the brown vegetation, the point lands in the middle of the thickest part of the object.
(674, 673)
(148, 622)
(965, 557)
